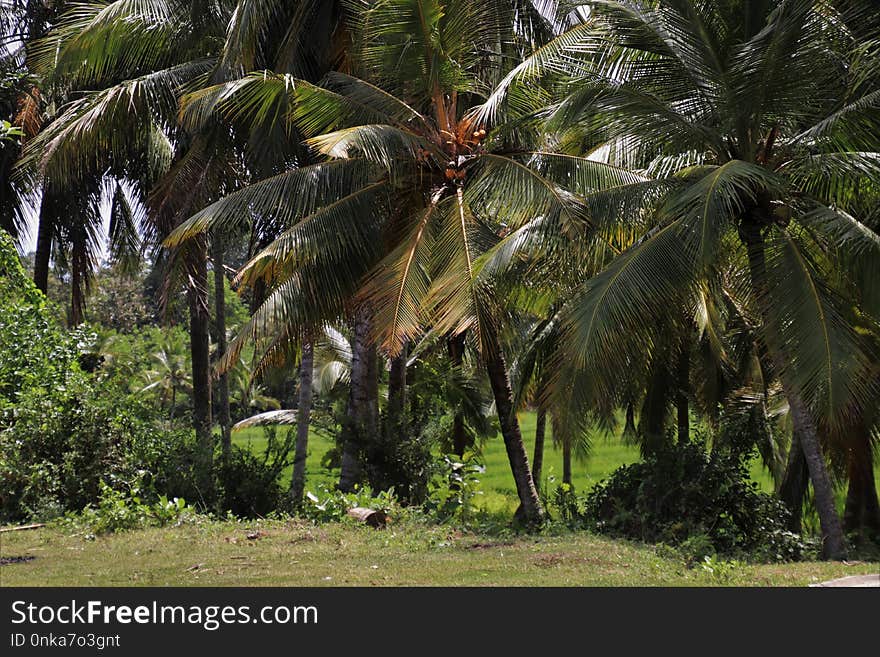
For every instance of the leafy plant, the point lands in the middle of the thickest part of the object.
(118, 511)
(454, 489)
(333, 505)
(684, 496)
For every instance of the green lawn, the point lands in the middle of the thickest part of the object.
(607, 454)
(496, 483)
(408, 553)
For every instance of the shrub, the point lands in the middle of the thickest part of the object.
(119, 511)
(684, 496)
(64, 428)
(333, 505)
(250, 483)
(454, 489)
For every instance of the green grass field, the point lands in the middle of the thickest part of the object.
(496, 483)
(411, 552)
(607, 454)
(408, 553)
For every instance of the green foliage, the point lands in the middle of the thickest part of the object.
(118, 301)
(566, 503)
(119, 511)
(9, 132)
(686, 497)
(454, 489)
(250, 482)
(65, 430)
(398, 461)
(333, 505)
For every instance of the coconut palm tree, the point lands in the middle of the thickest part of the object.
(411, 190)
(757, 128)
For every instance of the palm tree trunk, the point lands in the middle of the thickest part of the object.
(793, 487)
(76, 294)
(303, 416)
(655, 408)
(538, 460)
(358, 422)
(862, 511)
(455, 346)
(397, 392)
(199, 322)
(79, 272)
(566, 460)
(222, 403)
(683, 374)
(833, 543)
(530, 509)
(44, 245)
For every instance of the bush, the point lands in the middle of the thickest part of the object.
(333, 505)
(400, 462)
(119, 511)
(702, 502)
(249, 483)
(66, 428)
(454, 489)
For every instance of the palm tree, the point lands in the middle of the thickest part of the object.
(407, 168)
(125, 63)
(756, 133)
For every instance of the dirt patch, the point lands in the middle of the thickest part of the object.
(488, 546)
(6, 561)
(551, 559)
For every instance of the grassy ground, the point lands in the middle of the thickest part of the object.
(608, 453)
(294, 553)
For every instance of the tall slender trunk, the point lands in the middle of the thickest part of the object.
(44, 244)
(530, 509)
(455, 346)
(629, 426)
(794, 484)
(303, 416)
(80, 269)
(76, 296)
(538, 460)
(682, 375)
(862, 512)
(222, 403)
(566, 460)
(359, 421)
(397, 391)
(655, 408)
(833, 542)
(199, 323)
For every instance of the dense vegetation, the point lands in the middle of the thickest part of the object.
(399, 223)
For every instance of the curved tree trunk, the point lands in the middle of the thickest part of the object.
(530, 509)
(199, 323)
(833, 542)
(222, 402)
(303, 416)
(538, 460)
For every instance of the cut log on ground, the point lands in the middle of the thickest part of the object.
(371, 517)
(22, 527)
